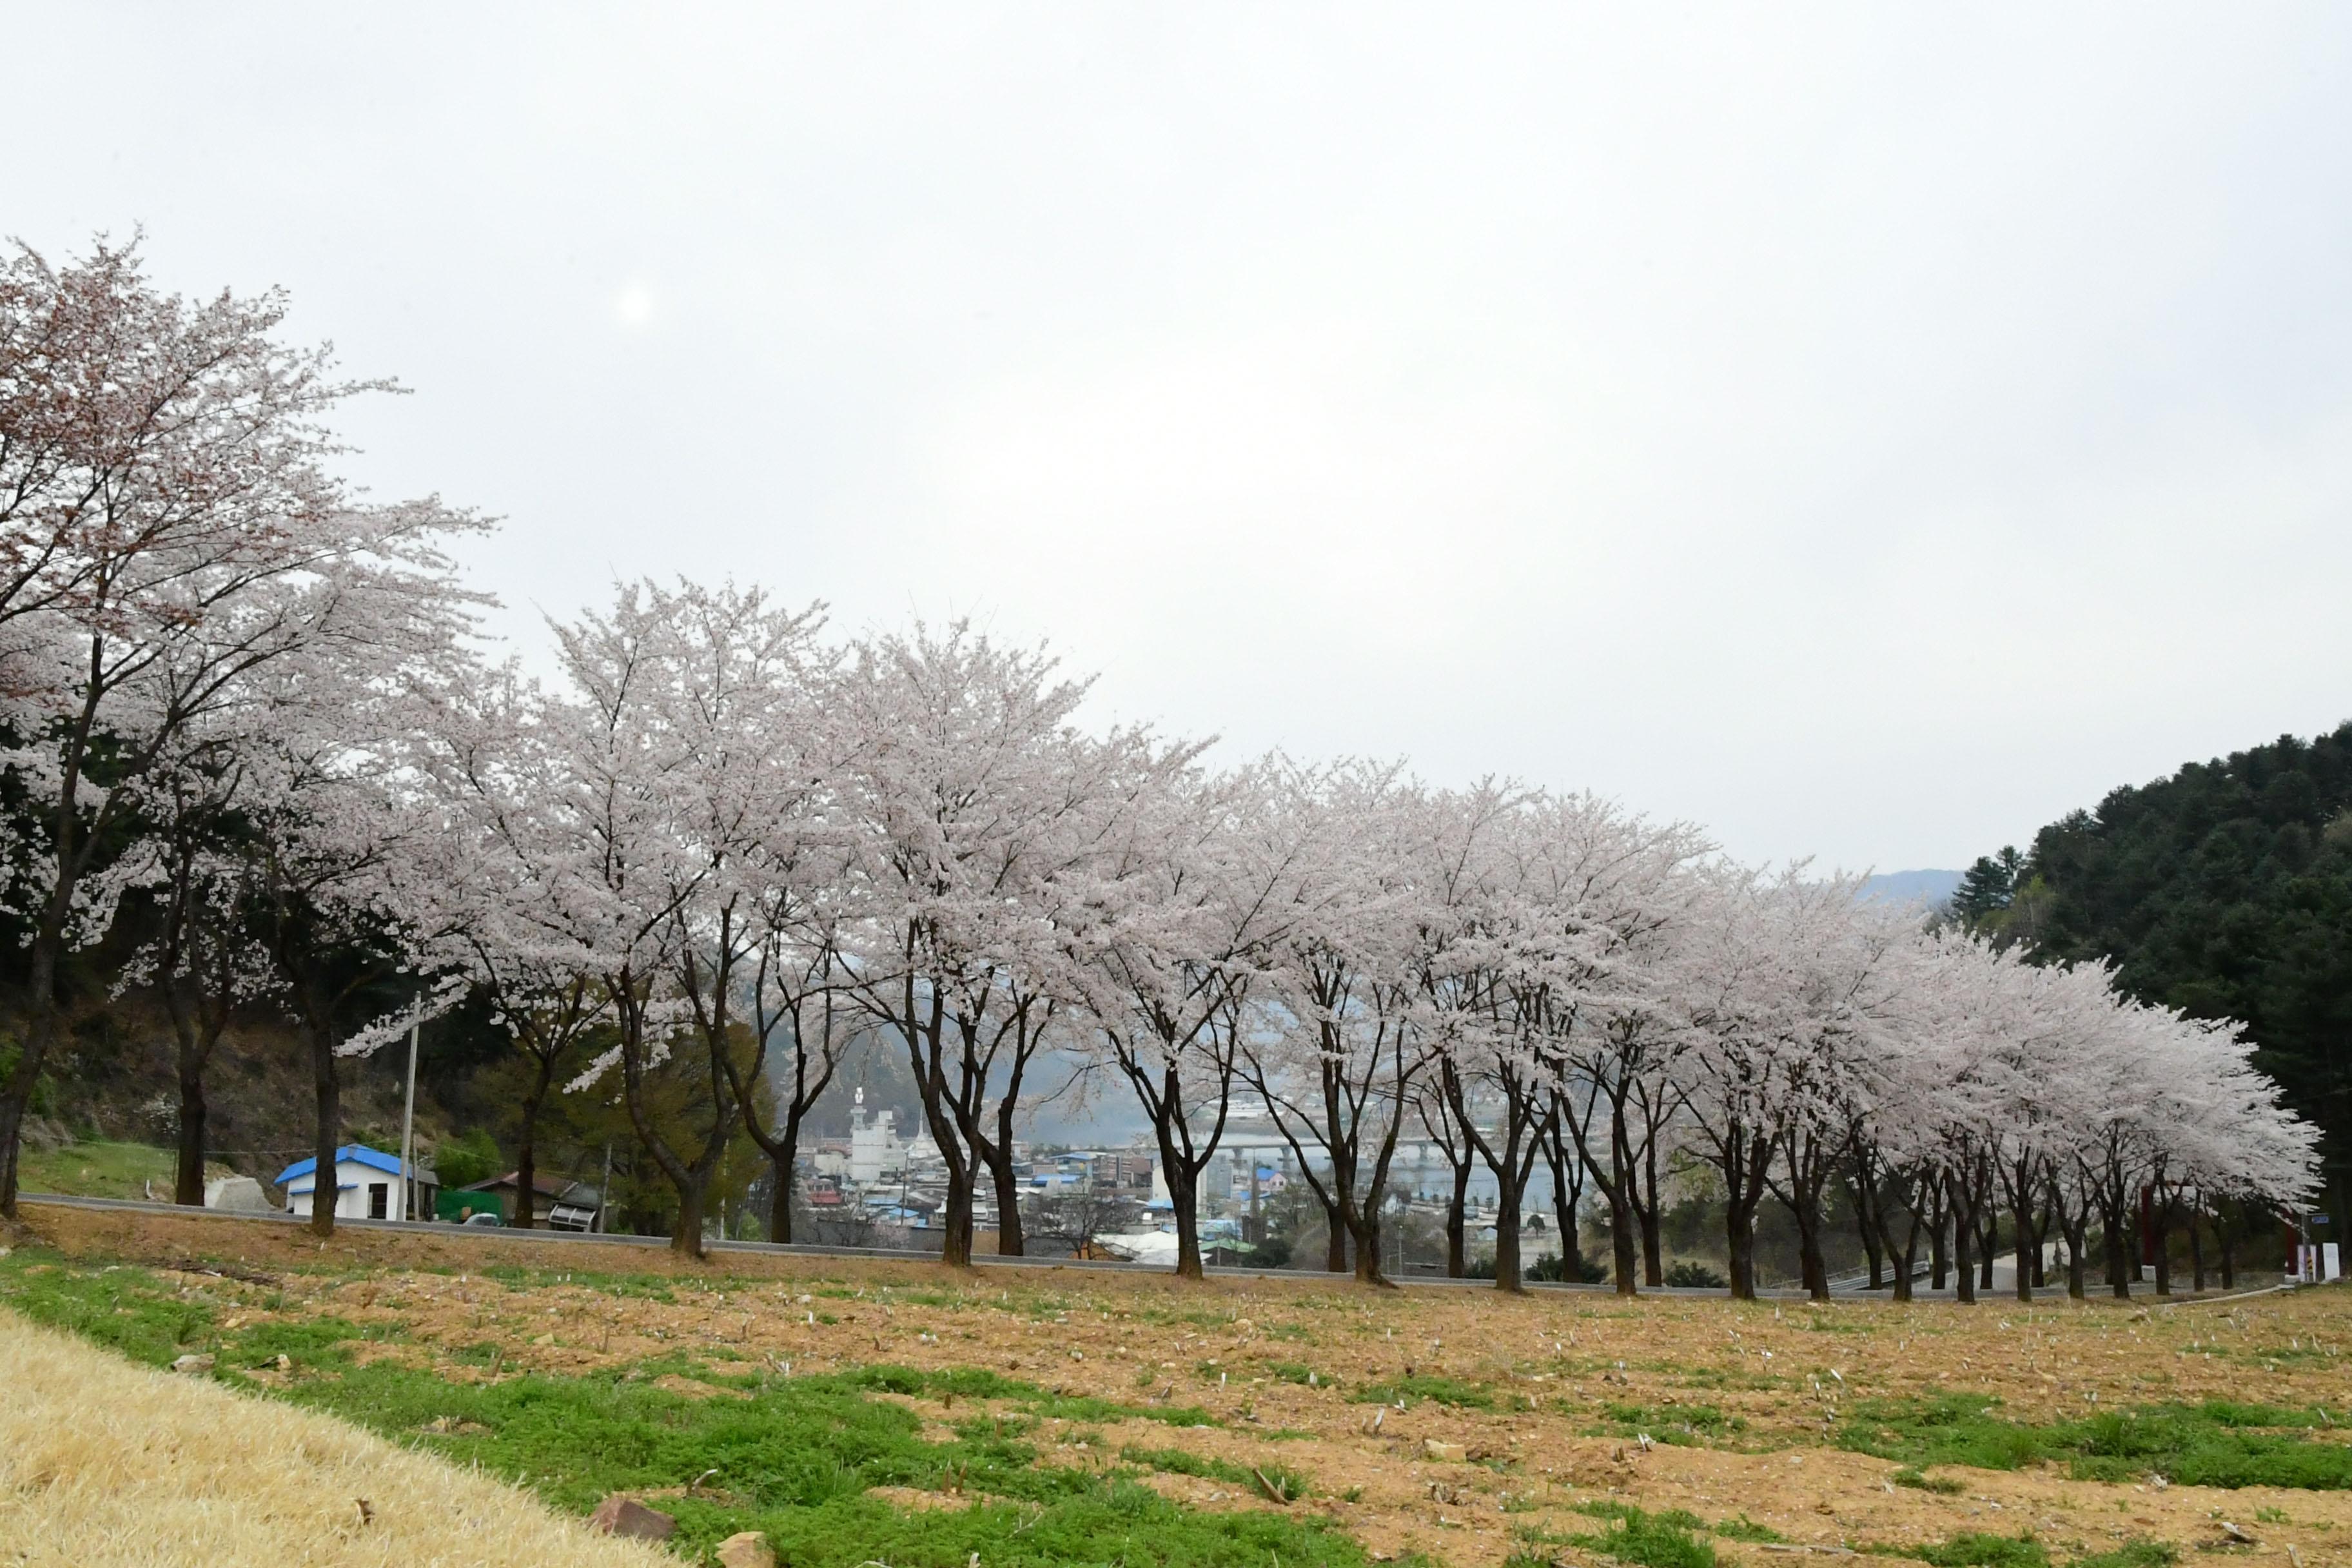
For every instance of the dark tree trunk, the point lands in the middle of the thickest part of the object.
(1511, 1163)
(1904, 1267)
(1810, 1164)
(1964, 1241)
(1809, 1252)
(327, 1085)
(996, 1153)
(1745, 1157)
(686, 1235)
(1625, 1258)
(40, 1032)
(527, 1149)
(780, 1194)
(1940, 1261)
(2021, 1177)
(1335, 1239)
(195, 1030)
(1011, 1241)
(955, 1218)
(1653, 1257)
(1739, 1244)
(1624, 1237)
(1506, 1240)
(2077, 1228)
(188, 1176)
(1867, 1221)
(2028, 1264)
(1364, 1237)
(1616, 1183)
(1567, 1189)
(922, 1030)
(1457, 1225)
(71, 847)
(1971, 1196)
(1184, 1194)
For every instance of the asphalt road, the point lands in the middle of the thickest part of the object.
(570, 1237)
(491, 1234)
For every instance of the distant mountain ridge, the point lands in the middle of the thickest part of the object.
(1930, 887)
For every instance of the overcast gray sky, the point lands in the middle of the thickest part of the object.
(1870, 432)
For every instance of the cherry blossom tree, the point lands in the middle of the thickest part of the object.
(169, 532)
(1341, 1046)
(1605, 892)
(1769, 1005)
(798, 995)
(1208, 891)
(672, 775)
(343, 850)
(985, 828)
(201, 960)
(1458, 961)
(503, 894)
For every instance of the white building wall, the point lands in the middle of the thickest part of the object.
(352, 1198)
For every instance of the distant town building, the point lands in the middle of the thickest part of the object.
(877, 1153)
(1127, 1171)
(1217, 1183)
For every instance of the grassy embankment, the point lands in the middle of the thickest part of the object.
(102, 1169)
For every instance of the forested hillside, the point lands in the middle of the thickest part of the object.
(2225, 890)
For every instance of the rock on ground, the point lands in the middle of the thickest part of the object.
(625, 1516)
(746, 1549)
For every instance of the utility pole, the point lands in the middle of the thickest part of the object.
(408, 1132)
(603, 1192)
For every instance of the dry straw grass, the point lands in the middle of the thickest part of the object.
(104, 1464)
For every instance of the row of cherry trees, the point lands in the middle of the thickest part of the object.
(713, 843)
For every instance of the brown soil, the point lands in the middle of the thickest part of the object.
(1766, 1381)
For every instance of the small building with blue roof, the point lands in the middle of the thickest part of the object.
(368, 1185)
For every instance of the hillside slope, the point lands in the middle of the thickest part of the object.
(105, 1463)
(2226, 891)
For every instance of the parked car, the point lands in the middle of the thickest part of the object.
(485, 1218)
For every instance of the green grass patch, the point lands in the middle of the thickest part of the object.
(796, 1458)
(2219, 1443)
(100, 1169)
(979, 1383)
(1300, 1374)
(1285, 1484)
(1626, 1512)
(2132, 1555)
(1986, 1552)
(1668, 1540)
(1745, 1528)
(1681, 1425)
(662, 1287)
(1422, 1387)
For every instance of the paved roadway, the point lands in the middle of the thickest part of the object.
(487, 1234)
(490, 1234)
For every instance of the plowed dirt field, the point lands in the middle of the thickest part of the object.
(1463, 1425)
